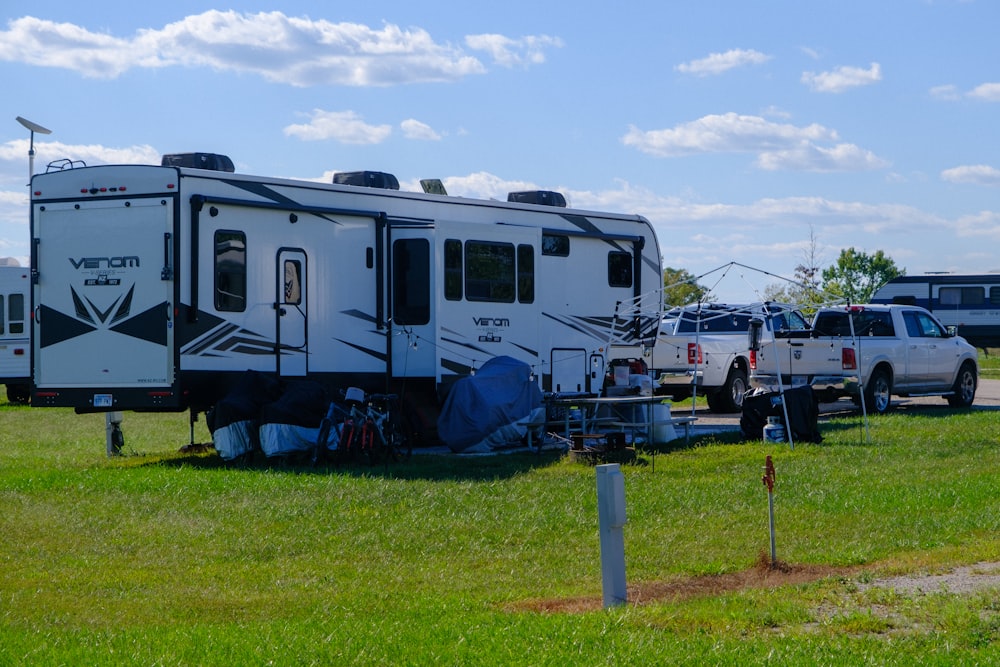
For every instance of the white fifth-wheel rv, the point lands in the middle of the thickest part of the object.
(157, 287)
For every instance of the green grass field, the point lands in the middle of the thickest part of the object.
(164, 558)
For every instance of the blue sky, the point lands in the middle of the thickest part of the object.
(741, 130)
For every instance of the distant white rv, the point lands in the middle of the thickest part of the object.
(15, 344)
(968, 302)
(156, 287)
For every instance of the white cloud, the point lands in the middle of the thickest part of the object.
(414, 129)
(976, 174)
(778, 145)
(283, 49)
(92, 154)
(484, 185)
(946, 92)
(510, 52)
(810, 157)
(347, 127)
(989, 92)
(842, 78)
(723, 133)
(717, 63)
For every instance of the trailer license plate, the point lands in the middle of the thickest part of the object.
(103, 401)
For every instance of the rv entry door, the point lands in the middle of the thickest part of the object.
(291, 313)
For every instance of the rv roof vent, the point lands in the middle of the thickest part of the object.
(433, 186)
(368, 179)
(211, 161)
(543, 197)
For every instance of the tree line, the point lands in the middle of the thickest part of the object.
(853, 278)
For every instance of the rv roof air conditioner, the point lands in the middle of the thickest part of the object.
(211, 161)
(368, 179)
(542, 197)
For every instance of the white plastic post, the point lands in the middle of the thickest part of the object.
(611, 518)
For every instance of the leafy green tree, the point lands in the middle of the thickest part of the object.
(857, 275)
(680, 287)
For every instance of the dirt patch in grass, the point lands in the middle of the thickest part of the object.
(765, 574)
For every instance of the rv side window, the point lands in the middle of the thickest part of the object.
(489, 271)
(453, 270)
(411, 281)
(619, 269)
(230, 271)
(553, 244)
(994, 296)
(526, 274)
(3, 328)
(15, 317)
(961, 296)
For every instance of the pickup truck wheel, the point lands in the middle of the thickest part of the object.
(730, 397)
(878, 392)
(964, 388)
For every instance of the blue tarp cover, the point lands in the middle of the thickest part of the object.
(501, 392)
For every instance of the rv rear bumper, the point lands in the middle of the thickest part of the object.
(106, 400)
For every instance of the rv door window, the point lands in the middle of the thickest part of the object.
(619, 269)
(453, 269)
(411, 281)
(489, 271)
(230, 271)
(293, 282)
(526, 274)
(15, 314)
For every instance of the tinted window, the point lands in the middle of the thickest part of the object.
(553, 244)
(619, 269)
(411, 281)
(452, 269)
(961, 296)
(15, 316)
(230, 271)
(526, 274)
(489, 271)
(714, 322)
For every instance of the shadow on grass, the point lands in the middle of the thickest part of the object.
(419, 466)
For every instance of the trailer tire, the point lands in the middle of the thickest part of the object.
(19, 394)
(964, 388)
(730, 397)
(878, 392)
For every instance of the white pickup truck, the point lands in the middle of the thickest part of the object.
(703, 348)
(886, 349)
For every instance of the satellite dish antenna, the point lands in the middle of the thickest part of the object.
(32, 127)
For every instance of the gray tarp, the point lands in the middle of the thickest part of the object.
(499, 394)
